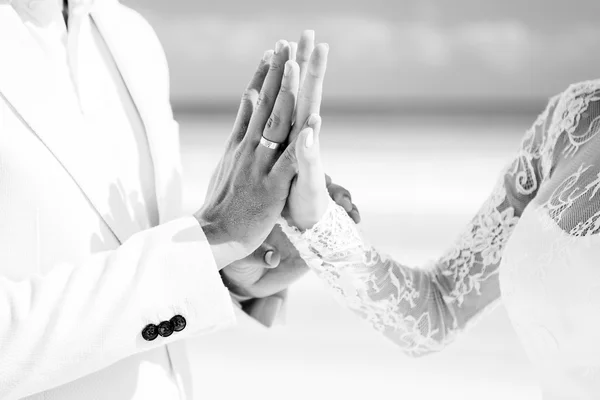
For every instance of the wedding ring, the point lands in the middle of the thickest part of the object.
(269, 144)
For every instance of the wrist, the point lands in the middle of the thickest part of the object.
(308, 220)
(222, 247)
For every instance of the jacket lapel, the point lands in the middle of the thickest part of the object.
(36, 96)
(142, 65)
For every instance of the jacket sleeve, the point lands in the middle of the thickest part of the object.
(78, 319)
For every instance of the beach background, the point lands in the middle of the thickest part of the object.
(424, 104)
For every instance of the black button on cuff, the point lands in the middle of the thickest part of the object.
(165, 329)
(178, 323)
(150, 332)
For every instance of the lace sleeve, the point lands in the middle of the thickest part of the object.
(423, 309)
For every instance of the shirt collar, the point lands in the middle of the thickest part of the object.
(45, 11)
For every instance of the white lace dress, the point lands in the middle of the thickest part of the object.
(535, 243)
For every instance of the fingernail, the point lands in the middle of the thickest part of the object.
(326, 46)
(309, 138)
(278, 46)
(310, 34)
(268, 257)
(313, 120)
(287, 69)
(267, 56)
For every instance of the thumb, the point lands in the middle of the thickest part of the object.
(267, 255)
(286, 167)
(305, 145)
(308, 153)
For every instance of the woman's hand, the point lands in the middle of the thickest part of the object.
(309, 198)
(310, 190)
(343, 198)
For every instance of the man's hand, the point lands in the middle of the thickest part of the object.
(252, 182)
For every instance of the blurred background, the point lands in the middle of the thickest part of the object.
(424, 103)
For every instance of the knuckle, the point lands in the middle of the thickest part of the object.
(315, 73)
(239, 133)
(284, 89)
(290, 155)
(308, 97)
(263, 98)
(275, 66)
(339, 194)
(274, 120)
(302, 56)
(238, 154)
(249, 96)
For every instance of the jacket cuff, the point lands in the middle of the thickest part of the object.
(192, 286)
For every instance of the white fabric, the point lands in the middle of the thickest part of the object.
(535, 241)
(80, 273)
(84, 68)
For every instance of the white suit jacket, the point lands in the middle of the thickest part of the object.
(76, 287)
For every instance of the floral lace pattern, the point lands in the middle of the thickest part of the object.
(572, 109)
(574, 202)
(423, 309)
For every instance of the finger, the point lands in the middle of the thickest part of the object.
(355, 214)
(293, 50)
(327, 180)
(267, 255)
(268, 93)
(302, 153)
(250, 98)
(286, 167)
(306, 45)
(338, 194)
(309, 158)
(280, 122)
(311, 90)
(304, 49)
(345, 203)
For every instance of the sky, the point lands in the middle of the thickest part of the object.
(420, 50)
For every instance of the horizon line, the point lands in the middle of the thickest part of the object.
(392, 106)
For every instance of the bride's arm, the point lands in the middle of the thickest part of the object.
(422, 309)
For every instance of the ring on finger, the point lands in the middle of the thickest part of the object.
(269, 144)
